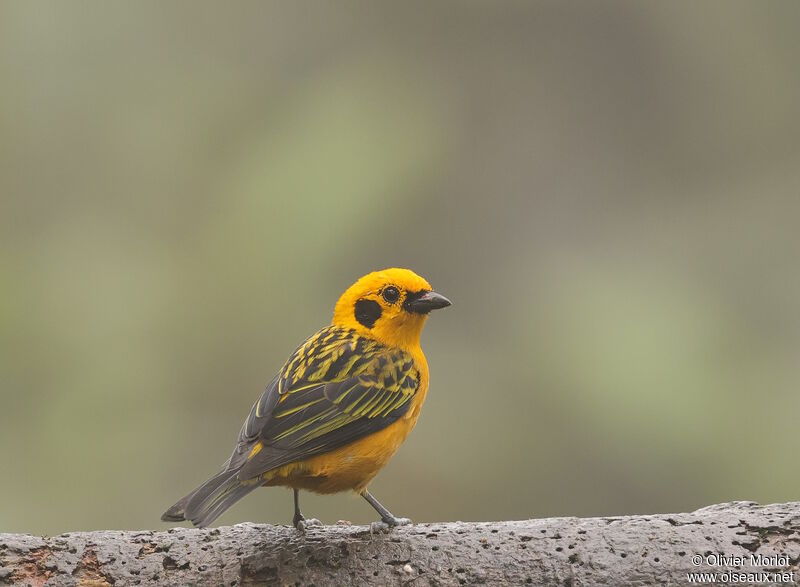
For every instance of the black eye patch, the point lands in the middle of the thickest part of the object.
(367, 312)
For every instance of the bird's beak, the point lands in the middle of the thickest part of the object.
(422, 302)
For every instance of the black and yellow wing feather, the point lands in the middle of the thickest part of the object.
(336, 387)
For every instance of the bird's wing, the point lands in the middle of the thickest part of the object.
(337, 387)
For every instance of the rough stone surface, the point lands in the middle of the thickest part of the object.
(630, 550)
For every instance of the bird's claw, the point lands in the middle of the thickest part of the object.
(387, 524)
(306, 523)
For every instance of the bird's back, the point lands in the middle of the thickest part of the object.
(329, 421)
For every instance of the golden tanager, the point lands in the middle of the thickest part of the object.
(339, 408)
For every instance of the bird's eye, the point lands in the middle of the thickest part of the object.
(391, 294)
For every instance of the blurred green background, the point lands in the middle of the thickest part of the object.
(609, 193)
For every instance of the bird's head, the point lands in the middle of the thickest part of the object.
(390, 306)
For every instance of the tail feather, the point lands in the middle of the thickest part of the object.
(176, 512)
(206, 503)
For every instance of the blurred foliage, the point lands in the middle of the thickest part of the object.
(609, 192)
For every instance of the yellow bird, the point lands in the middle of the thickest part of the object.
(338, 409)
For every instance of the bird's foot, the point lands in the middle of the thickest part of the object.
(386, 524)
(304, 524)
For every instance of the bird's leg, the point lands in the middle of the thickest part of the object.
(299, 520)
(387, 519)
(298, 516)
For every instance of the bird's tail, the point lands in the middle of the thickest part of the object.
(206, 503)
